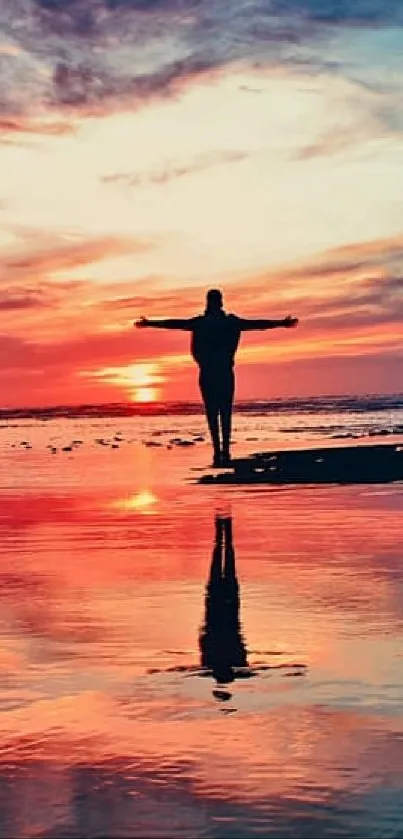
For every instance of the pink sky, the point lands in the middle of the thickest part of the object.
(143, 160)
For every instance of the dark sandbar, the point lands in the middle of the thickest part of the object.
(340, 465)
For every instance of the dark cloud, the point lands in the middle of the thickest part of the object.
(374, 298)
(16, 301)
(85, 53)
(324, 11)
(76, 85)
(27, 283)
(383, 297)
(92, 86)
(39, 293)
(344, 11)
(351, 287)
(382, 254)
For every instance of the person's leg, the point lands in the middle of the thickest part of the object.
(226, 416)
(237, 645)
(211, 407)
(217, 557)
(229, 553)
(213, 605)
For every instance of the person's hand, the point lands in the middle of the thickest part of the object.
(290, 322)
(142, 323)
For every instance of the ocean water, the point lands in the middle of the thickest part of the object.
(185, 661)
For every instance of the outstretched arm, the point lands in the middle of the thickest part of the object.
(170, 323)
(249, 325)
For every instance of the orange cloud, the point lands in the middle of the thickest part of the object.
(31, 125)
(72, 328)
(53, 254)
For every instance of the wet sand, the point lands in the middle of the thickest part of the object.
(110, 725)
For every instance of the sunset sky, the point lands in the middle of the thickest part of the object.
(150, 149)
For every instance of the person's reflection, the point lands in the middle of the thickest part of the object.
(223, 651)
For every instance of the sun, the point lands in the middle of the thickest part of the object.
(145, 394)
(144, 378)
(140, 380)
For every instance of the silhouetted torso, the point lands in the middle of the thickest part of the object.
(215, 340)
(221, 641)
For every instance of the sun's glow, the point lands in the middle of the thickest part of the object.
(146, 394)
(140, 380)
(142, 374)
(142, 501)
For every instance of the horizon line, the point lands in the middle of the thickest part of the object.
(150, 407)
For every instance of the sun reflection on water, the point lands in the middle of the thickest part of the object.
(144, 501)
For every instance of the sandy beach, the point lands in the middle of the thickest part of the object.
(110, 726)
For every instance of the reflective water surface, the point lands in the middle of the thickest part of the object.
(189, 661)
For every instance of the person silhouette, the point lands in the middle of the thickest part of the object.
(215, 340)
(222, 647)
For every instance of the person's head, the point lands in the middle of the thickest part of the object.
(214, 301)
